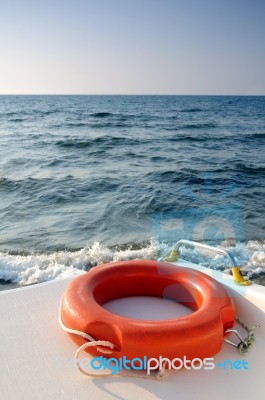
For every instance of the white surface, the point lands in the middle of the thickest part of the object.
(36, 355)
(147, 308)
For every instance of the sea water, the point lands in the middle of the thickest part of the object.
(86, 180)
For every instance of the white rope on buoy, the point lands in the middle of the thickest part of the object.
(86, 336)
(100, 344)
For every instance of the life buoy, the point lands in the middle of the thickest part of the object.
(198, 335)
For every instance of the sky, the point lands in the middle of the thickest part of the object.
(132, 47)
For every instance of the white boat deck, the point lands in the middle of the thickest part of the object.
(36, 354)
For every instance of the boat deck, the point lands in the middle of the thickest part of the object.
(36, 355)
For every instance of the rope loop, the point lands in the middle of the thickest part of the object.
(105, 347)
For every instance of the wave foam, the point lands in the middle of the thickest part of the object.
(36, 268)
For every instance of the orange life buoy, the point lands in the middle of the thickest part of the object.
(198, 335)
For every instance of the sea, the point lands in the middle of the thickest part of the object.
(86, 180)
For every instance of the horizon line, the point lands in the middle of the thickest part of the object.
(128, 94)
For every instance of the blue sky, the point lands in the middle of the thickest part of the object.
(132, 47)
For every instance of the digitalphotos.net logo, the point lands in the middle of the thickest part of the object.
(148, 365)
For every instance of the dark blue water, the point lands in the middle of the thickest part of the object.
(81, 175)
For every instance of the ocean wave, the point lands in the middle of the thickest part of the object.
(35, 187)
(199, 125)
(250, 169)
(195, 126)
(42, 267)
(8, 114)
(192, 110)
(184, 138)
(102, 115)
(15, 115)
(205, 136)
(115, 116)
(74, 143)
(257, 135)
(6, 183)
(110, 125)
(4, 180)
(16, 120)
(109, 140)
(92, 125)
(74, 124)
(37, 268)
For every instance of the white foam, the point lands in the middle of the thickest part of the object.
(36, 268)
